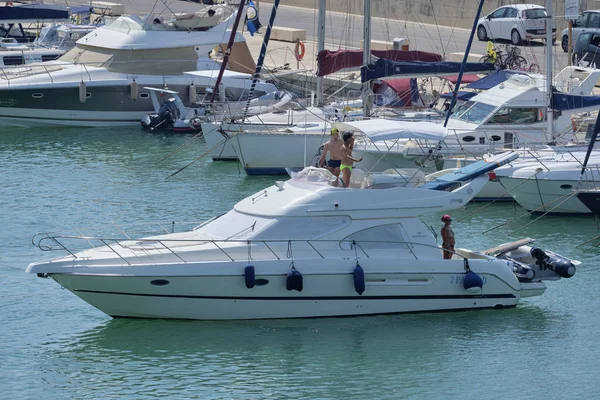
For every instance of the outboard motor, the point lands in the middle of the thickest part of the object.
(167, 114)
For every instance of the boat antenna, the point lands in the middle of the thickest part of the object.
(462, 66)
(228, 51)
(261, 57)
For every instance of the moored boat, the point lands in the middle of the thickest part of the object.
(303, 248)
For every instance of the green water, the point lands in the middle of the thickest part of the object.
(55, 346)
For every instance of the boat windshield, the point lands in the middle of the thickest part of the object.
(473, 112)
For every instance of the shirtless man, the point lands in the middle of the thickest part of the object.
(334, 148)
(347, 159)
(448, 240)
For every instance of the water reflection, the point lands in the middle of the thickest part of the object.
(292, 358)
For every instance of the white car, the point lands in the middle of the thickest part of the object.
(588, 22)
(516, 23)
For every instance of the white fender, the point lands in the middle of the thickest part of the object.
(133, 89)
(192, 93)
(82, 92)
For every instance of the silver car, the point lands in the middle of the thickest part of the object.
(517, 22)
(588, 22)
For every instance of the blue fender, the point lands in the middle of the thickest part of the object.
(249, 275)
(359, 279)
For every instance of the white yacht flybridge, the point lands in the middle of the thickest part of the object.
(99, 82)
(303, 248)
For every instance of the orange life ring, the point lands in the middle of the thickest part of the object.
(299, 51)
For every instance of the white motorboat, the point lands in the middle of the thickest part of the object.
(53, 41)
(303, 248)
(510, 115)
(173, 115)
(97, 83)
(549, 185)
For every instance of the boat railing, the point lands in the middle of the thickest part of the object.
(181, 250)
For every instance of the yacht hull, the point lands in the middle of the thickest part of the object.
(220, 148)
(545, 196)
(323, 295)
(105, 106)
(286, 150)
(27, 118)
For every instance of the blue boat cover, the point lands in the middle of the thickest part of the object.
(470, 172)
(35, 11)
(461, 95)
(491, 80)
(382, 68)
(562, 101)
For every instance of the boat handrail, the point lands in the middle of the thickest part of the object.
(126, 248)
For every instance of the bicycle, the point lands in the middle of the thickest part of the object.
(510, 59)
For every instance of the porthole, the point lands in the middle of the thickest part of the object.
(496, 138)
(468, 139)
(566, 187)
(159, 282)
(37, 95)
(261, 282)
(144, 95)
(88, 95)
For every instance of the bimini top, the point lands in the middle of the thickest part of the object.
(389, 129)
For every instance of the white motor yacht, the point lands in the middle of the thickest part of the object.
(99, 81)
(550, 185)
(303, 248)
(53, 41)
(509, 115)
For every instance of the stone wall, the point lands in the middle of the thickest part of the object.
(459, 13)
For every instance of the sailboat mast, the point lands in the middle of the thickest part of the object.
(321, 47)
(549, 74)
(366, 56)
(262, 55)
(228, 51)
(462, 66)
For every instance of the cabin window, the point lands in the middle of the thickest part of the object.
(50, 57)
(516, 116)
(474, 114)
(380, 237)
(468, 138)
(144, 95)
(14, 60)
(88, 95)
(496, 138)
(37, 95)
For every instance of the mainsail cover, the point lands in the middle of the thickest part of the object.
(334, 61)
(383, 68)
(563, 101)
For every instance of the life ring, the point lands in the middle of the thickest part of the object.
(299, 51)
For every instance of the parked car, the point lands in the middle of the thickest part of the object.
(587, 49)
(516, 23)
(589, 21)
